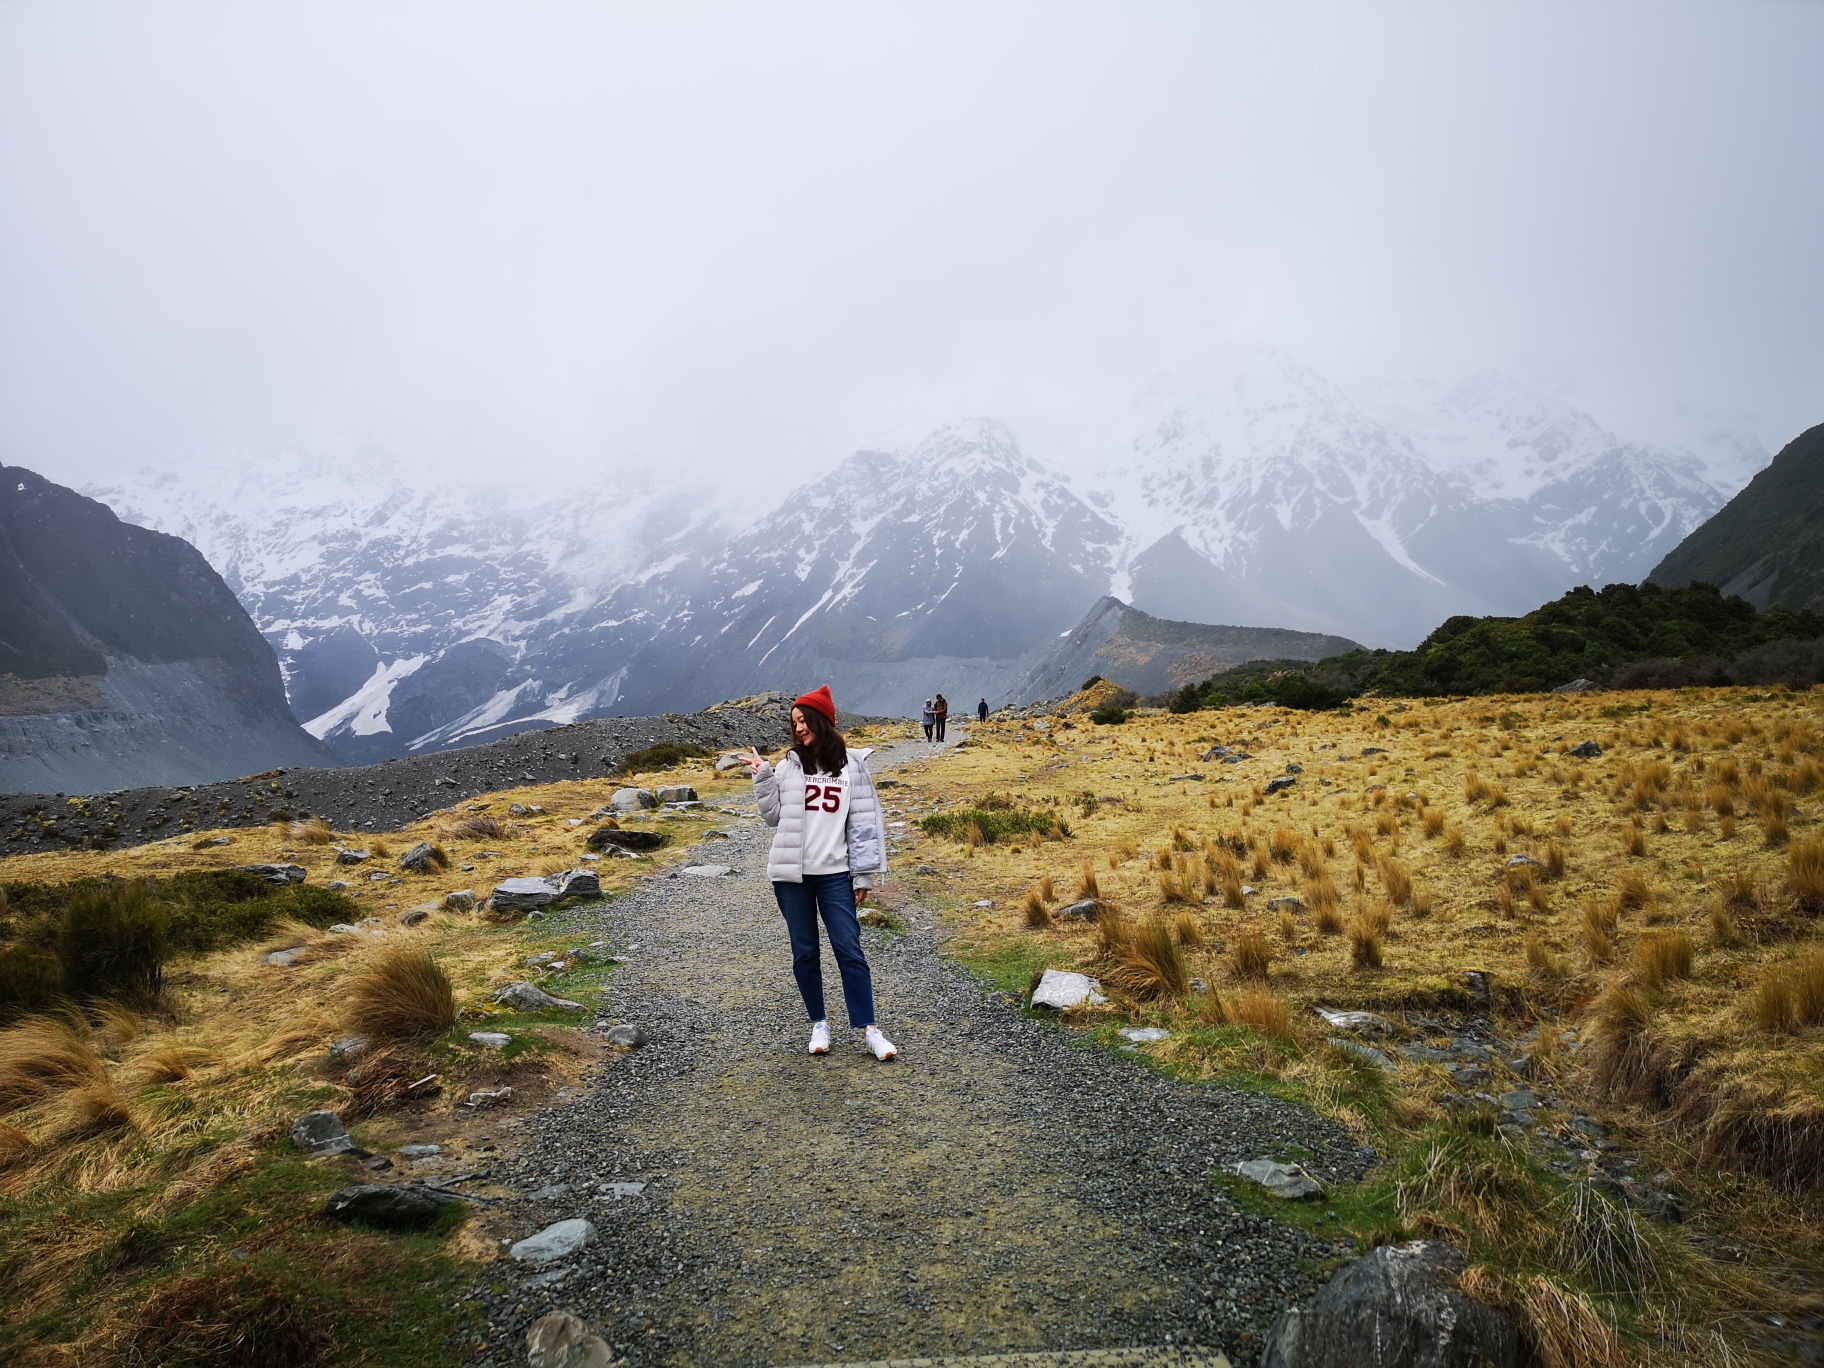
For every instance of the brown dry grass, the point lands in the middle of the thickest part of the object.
(1663, 956)
(404, 994)
(1037, 914)
(1790, 996)
(1251, 956)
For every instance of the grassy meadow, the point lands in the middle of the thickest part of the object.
(1646, 921)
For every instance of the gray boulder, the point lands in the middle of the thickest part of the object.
(1286, 1181)
(1286, 903)
(633, 800)
(627, 1035)
(413, 917)
(1397, 1306)
(523, 894)
(321, 1132)
(1589, 750)
(1578, 685)
(1344, 1020)
(576, 883)
(524, 997)
(276, 873)
(351, 857)
(285, 958)
(396, 1208)
(1087, 909)
(420, 857)
(462, 900)
(676, 793)
(1281, 784)
(604, 838)
(560, 1340)
(733, 760)
(554, 1242)
(707, 871)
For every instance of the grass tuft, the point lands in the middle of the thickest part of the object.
(1365, 949)
(403, 995)
(1790, 996)
(1038, 916)
(1251, 956)
(1805, 872)
(1662, 957)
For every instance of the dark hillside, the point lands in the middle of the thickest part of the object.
(1767, 543)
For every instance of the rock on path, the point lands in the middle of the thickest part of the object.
(994, 1190)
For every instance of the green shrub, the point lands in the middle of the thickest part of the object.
(115, 943)
(31, 980)
(211, 909)
(665, 755)
(995, 824)
(1090, 683)
(1189, 699)
(1109, 715)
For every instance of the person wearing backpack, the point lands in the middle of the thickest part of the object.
(829, 851)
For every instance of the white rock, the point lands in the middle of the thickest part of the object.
(1354, 1021)
(633, 799)
(707, 871)
(1060, 990)
(1287, 1181)
(525, 997)
(494, 1040)
(1144, 1035)
(554, 1242)
(985, 902)
(561, 1340)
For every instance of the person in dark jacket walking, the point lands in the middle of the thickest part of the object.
(940, 710)
(981, 710)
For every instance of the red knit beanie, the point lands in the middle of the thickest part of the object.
(819, 698)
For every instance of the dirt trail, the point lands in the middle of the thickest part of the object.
(993, 1190)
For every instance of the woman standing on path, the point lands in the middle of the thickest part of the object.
(941, 710)
(930, 719)
(829, 850)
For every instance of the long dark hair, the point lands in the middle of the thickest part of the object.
(828, 752)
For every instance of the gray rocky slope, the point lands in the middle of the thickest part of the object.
(385, 796)
(124, 658)
(411, 619)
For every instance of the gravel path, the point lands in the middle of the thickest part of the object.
(996, 1189)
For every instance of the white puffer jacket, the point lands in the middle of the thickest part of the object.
(780, 793)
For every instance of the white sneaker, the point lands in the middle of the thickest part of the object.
(820, 1037)
(883, 1048)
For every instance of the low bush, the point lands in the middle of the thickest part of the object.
(665, 755)
(995, 825)
(1790, 996)
(479, 828)
(1109, 715)
(115, 944)
(31, 980)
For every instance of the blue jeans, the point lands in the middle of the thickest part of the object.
(834, 896)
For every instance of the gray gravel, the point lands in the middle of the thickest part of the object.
(995, 1189)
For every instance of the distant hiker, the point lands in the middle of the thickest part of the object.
(981, 710)
(828, 852)
(940, 712)
(930, 719)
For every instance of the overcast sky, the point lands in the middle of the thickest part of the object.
(544, 240)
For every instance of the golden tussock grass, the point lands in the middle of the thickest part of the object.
(1805, 873)
(1632, 891)
(1250, 956)
(1456, 845)
(1634, 842)
(1790, 996)
(1146, 961)
(1432, 820)
(402, 995)
(1179, 888)
(1188, 931)
(1256, 1008)
(1037, 914)
(312, 831)
(1088, 887)
(1662, 956)
(1365, 948)
(1597, 922)
(1394, 879)
(1048, 890)
(42, 1057)
(1542, 960)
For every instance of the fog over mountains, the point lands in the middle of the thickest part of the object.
(409, 617)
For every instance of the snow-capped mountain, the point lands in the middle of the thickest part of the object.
(359, 577)
(411, 618)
